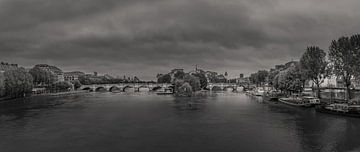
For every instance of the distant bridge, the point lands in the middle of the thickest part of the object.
(122, 87)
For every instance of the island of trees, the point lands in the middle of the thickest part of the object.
(189, 84)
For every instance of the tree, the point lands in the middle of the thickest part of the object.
(85, 80)
(202, 79)
(193, 81)
(18, 83)
(76, 84)
(295, 80)
(164, 79)
(182, 88)
(290, 80)
(344, 56)
(262, 76)
(313, 63)
(272, 78)
(60, 86)
(179, 75)
(254, 79)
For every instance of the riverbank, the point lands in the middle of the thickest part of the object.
(61, 93)
(4, 100)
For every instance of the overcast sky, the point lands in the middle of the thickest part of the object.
(146, 37)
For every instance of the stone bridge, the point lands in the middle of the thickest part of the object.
(122, 87)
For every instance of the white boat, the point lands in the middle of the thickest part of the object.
(312, 100)
(259, 92)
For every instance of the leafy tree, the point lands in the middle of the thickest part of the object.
(202, 79)
(272, 78)
(290, 80)
(60, 86)
(262, 76)
(275, 81)
(182, 88)
(254, 79)
(179, 75)
(345, 59)
(193, 81)
(18, 83)
(76, 84)
(313, 63)
(294, 78)
(164, 79)
(85, 80)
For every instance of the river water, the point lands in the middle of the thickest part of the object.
(145, 122)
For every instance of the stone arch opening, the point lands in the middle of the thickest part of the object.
(100, 89)
(114, 89)
(143, 89)
(156, 88)
(87, 89)
(229, 88)
(127, 88)
(216, 88)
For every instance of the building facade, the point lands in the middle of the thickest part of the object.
(72, 76)
(58, 73)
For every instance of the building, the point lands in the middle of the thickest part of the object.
(58, 73)
(71, 76)
(7, 66)
(335, 82)
(241, 76)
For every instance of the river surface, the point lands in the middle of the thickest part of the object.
(145, 122)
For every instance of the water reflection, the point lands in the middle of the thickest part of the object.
(186, 103)
(143, 121)
(318, 132)
(29, 107)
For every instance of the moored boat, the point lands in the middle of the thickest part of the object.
(271, 96)
(295, 102)
(344, 109)
(312, 100)
(259, 92)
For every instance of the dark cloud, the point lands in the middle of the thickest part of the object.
(146, 37)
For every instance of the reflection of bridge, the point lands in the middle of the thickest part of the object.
(124, 86)
(224, 86)
(154, 87)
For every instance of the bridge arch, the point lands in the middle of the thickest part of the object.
(126, 87)
(87, 89)
(229, 87)
(98, 89)
(216, 88)
(114, 88)
(157, 88)
(143, 87)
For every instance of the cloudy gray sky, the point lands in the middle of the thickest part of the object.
(146, 37)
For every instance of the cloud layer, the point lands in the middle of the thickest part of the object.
(146, 37)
